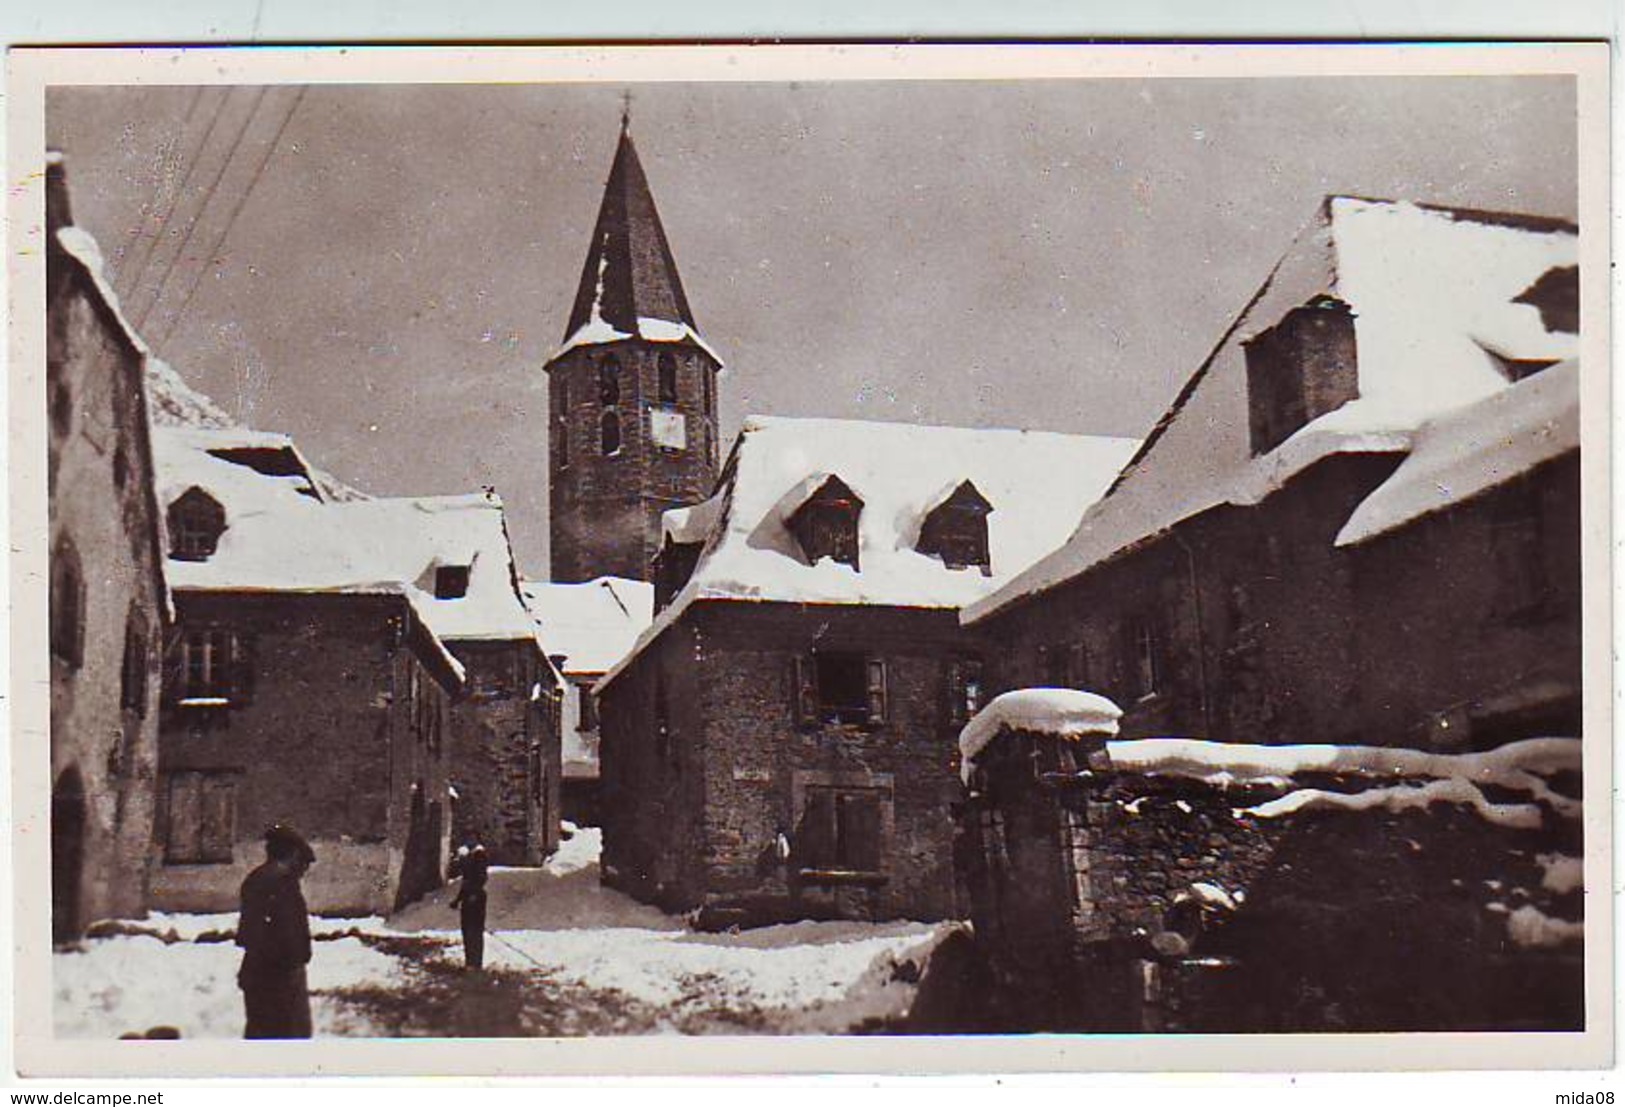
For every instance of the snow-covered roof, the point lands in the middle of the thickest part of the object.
(279, 538)
(1470, 451)
(593, 624)
(192, 457)
(409, 538)
(1038, 483)
(1064, 712)
(171, 402)
(1435, 296)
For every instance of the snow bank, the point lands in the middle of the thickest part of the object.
(1470, 451)
(1059, 711)
(1037, 483)
(1431, 291)
(129, 984)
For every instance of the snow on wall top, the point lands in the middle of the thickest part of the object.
(83, 248)
(1037, 483)
(592, 624)
(1470, 451)
(1060, 711)
(1432, 291)
(278, 538)
(1518, 767)
(1225, 763)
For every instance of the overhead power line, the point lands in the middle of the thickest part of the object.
(197, 220)
(231, 219)
(133, 272)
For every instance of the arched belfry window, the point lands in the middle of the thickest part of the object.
(668, 377)
(609, 381)
(609, 433)
(196, 521)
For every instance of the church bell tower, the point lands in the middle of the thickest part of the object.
(632, 393)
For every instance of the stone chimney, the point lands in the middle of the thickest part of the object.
(1299, 369)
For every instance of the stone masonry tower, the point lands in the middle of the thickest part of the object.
(632, 393)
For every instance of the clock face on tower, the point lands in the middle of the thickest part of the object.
(668, 429)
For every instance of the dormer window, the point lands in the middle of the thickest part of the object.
(1556, 295)
(451, 582)
(826, 525)
(196, 521)
(956, 530)
(673, 566)
(1299, 370)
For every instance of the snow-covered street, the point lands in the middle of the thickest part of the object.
(564, 956)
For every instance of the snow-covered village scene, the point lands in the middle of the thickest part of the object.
(905, 557)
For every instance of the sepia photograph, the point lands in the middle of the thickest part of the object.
(813, 543)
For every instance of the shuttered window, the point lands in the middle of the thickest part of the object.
(840, 686)
(210, 668)
(202, 821)
(841, 831)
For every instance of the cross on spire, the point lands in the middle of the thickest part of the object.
(626, 110)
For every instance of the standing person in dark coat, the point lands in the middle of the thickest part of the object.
(274, 931)
(471, 865)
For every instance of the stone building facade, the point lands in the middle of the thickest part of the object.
(632, 394)
(724, 788)
(107, 596)
(327, 712)
(505, 757)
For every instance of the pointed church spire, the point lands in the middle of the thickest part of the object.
(630, 273)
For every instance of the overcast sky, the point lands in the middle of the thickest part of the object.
(1056, 254)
